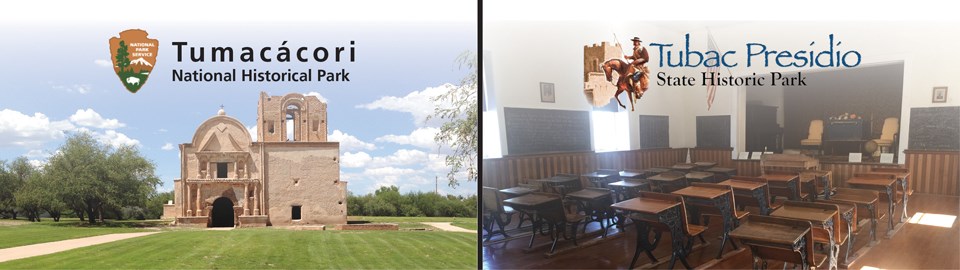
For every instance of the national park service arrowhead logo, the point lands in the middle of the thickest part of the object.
(134, 56)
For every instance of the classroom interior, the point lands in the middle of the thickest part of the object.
(857, 169)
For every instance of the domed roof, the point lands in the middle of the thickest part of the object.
(222, 133)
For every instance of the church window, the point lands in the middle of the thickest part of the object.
(295, 212)
(221, 170)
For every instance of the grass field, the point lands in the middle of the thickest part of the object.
(466, 225)
(270, 248)
(407, 223)
(47, 231)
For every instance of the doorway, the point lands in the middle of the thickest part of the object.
(222, 213)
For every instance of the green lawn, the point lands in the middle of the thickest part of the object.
(270, 248)
(466, 225)
(408, 223)
(48, 231)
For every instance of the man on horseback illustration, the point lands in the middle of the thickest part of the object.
(639, 79)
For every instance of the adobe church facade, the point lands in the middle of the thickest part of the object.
(282, 179)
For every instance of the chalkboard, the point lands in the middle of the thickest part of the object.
(532, 131)
(935, 128)
(713, 131)
(654, 131)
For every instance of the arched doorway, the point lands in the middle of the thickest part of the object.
(222, 213)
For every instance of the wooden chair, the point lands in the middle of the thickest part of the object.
(614, 176)
(706, 213)
(494, 212)
(570, 183)
(900, 188)
(721, 173)
(527, 183)
(745, 201)
(691, 231)
(783, 191)
(570, 186)
(701, 177)
(769, 252)
(817, 185)
(738, 215)
(898, 195)
(897, 191)
(820, 235)
(670, 186)
(640, 179)
(558, 219)
(852, 229)
(814, 134)
(891, 126)
(867, 202)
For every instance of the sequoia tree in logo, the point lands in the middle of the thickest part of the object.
(133, 57)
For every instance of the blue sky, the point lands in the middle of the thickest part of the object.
(57, 79)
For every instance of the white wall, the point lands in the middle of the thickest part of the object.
(525, 53)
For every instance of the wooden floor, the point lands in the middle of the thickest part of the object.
(915, 246)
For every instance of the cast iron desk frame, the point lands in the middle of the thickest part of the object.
(658, 211)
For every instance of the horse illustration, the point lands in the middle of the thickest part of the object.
(625, 70)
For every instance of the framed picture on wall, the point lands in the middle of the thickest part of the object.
(547, 94)
(940, 94)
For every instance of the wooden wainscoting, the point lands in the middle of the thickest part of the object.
(508, 171)
(934, 172)
(722, 156)
(747, 167)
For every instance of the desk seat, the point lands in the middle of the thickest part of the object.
(723, 173)
(703, 177)
(558, 218)
(781, 239)
(780, 254)
(867, 205)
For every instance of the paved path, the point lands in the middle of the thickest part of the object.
(443, 226)
(21, 252)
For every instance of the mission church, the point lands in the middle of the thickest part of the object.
(286, 178)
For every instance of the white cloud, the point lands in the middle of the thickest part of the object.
(354, 160)
(79, 88)
(36, 163)
(167, 147)
(90, 118)
(117, 139)
(38, 158)
(348, 142)
(253, 132)
(321, 98)
(418, 103)
(18, 129)
(162, 130)
(401, 157)
(37, 153)
(410, 170)
(32, 132)
(103, 62)
(421, 137)
(387, 176)
(438, 164)
(112, 138)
